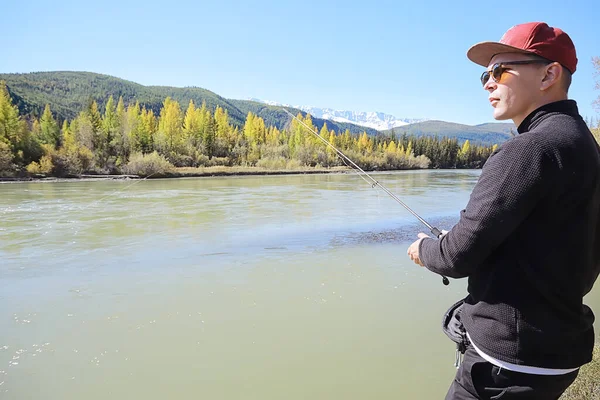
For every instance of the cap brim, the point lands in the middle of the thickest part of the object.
(482, 53)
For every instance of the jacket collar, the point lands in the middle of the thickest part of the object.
(563, 106)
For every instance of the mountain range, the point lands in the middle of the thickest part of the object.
(370, 119)
(69, 92)
(489, 133)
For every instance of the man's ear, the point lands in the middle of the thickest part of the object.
(552, 75)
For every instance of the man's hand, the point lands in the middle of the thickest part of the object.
(413, 249)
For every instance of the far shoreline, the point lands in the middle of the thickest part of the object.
(180, 173)
(207, 172)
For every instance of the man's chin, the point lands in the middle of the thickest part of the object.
(499, 115)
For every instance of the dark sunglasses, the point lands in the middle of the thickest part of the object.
(499, 68)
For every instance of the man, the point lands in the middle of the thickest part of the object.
(529, 237)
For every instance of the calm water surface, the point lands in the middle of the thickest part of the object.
(288, 287)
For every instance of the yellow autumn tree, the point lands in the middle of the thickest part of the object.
(401, 152)
(77, 158)
(147, 131)
(249, 132)
(391, 147)
(364, 144)
(273, 136)
(255, 134)
(17, 142)
(296, 134)
(191, 125)
(122, 139)
(324, 133)
(50, 133)
(224, 138)
(169, 127)
(464, 154)
(223, 127)
(409, 150)
(260, 130)
(9, 118)
(333, 140)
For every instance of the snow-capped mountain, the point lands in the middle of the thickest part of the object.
(375, 120)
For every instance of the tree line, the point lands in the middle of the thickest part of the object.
(196, 136)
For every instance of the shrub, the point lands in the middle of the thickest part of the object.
(180, 160)
(293, 164)
(34, 168)
(270, 151)
(46, 164)
(238, 153)
(86, 158)
(304, 156)
(202, 160)
(272, 163)
(220, 161)
(422, 161)
(148, 164)
(322, 158)
(70, 161)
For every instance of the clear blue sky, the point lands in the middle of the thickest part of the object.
(403, 58)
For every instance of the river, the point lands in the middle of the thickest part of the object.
(262, 287)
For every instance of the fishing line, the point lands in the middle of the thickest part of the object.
(371, 181)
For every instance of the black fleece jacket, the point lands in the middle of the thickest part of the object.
(529, 242)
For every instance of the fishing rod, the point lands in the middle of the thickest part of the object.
(373, 182)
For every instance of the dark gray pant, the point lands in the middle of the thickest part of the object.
(479, 379)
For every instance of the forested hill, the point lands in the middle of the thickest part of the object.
(68, 93)
(486, 134)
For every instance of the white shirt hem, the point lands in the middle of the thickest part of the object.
(520, 368)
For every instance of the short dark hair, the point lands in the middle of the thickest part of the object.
(567, 78)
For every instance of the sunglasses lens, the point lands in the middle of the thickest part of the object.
(497, 72)
(485, 77)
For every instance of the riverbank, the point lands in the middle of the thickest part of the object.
(236, 171)
(184, 173)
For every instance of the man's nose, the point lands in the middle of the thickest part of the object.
(490, 85)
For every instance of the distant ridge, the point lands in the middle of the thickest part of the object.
(488, 133)
(69, 92)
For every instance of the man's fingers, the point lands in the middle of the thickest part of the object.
(422, 235)
(413, 252)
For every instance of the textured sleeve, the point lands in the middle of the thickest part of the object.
(511, 183)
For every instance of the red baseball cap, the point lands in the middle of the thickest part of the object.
(531, 38)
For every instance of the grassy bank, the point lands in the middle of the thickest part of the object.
(224, 171)
(587, 384)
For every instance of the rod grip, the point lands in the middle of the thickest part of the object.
(436, 232)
